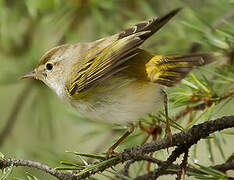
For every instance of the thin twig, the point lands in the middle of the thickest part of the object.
(220, 167)
(160, 171)
(19, 162)
(15, 111)
(188, 109)
(140, 158)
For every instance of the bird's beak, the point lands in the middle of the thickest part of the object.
(31, 74)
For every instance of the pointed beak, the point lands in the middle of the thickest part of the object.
(31, 74)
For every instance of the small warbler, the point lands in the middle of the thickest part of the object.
(113, 79)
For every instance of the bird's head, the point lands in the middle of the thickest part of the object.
(53, 68)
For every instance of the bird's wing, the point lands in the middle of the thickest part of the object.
(123, 47)
(107, 62)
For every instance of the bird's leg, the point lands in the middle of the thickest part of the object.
(110, 151)
(168, 128)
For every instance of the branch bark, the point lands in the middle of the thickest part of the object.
(220, 167)
(160, 171)
(37, 165)
(191, 135)
(185, 138)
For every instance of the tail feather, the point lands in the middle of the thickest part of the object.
(169, 70)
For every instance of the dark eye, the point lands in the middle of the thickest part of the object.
(49, 66)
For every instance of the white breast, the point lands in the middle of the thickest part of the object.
(123, 104)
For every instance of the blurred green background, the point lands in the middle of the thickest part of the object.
(41, 127)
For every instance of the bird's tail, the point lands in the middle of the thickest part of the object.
(169, 70)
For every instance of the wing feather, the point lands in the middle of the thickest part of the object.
(108, 60)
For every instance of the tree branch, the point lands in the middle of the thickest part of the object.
(183, 139)
(19, 162)
(191, 135)
(221, 167)
(183, 166)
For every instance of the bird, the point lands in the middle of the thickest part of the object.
(114, 79)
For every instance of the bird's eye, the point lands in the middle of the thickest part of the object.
(49, 66)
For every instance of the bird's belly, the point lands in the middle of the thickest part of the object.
(122, 104)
